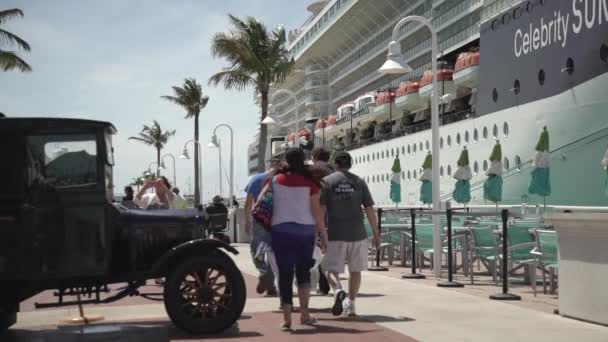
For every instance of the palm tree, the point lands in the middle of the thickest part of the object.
(190, 97)
(138, 182)
(9, 59)
(154, 136)
(256, 57)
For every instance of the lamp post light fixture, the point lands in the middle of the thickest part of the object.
(216, 143)
(150, 173)
(395, 64)
(163, 167)
(185, 155)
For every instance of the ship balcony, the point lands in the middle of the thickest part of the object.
(314, 100)
(316, 84)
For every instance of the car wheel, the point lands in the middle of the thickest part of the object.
(205, 294)
(7, 319)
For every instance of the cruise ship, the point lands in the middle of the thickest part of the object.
(507, 69)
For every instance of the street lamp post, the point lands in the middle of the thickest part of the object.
(162, 166)
(216, 143)
(396, 65)
(185, 155)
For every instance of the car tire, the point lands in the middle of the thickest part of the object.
(7, 319)
(205, 294)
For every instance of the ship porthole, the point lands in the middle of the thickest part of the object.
(495, 131)
(475, 135)
(604, 53)
(505, 129)
(428, 147)
(541, 77)
(485, 133)
(494, 95)
(570, 66)
(414, 148)
(441, 171)
(516, 87)
(409, 175)
(449, 171)
(518, 163)
(449, 141)
(415, 174)
(403, 150)
(476, 168)
(403, 175)
(421, 147)
(485, 165)
(466, 137)
(408, 149)
(505, 163)
(458, 138)
(441, 142)
(382, 155)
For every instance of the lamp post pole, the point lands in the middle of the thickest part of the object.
(395, 65)
(184, 155)
(215, 141)
(163, 163)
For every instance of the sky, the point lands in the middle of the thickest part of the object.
(111, 60)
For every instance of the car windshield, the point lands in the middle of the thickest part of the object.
(66, 160)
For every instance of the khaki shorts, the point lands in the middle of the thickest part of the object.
(352, 253)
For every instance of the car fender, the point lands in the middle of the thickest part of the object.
(193, 247)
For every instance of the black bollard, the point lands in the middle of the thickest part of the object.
(378, 267)
(413, 275)
(450, 282)
(505, 295)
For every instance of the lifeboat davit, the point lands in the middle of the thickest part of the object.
(445, 83)
(466, 73)
(364, 109)
(330, 127)
(408, 97)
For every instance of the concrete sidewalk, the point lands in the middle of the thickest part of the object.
(391, 309)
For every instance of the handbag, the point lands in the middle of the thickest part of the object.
(262, 212)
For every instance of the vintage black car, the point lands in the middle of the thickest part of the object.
(60, 230)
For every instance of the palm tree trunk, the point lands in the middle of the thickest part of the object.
(197, 193)
(158, 161)
(263, 133)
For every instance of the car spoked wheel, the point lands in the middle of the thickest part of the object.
(205, 294)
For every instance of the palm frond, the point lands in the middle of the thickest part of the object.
(9, 14)
(189, 96)
(232, 79)
(10, 60)
(11, 39)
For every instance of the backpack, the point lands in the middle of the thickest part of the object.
(262, 211)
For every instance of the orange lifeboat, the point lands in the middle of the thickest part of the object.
(330, 126)
(383, 105)
(408, 97)
(445, 82)
(466, 72)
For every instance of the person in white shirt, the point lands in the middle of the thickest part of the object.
(162, 198)
(179, 201)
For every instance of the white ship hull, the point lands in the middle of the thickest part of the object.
(577, 121)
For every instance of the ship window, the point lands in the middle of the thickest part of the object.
(449, 171)
(505, 129)
(373, 156)
(516, 87)
(485, 133)
(409, 175)
(475, 135)
(466, 137)
(570, 66)
(476, 168)
(449, 141)
(604, 53)
(494, 95)
(408, 149)
(485, 165)
(403, 150)
(495, 131)
(441, 171)
(505, 163)
(403, 175)
(393, 152)
(382, 178)
(441, 142)
(541, 77)
(382, 155)
(378, 155)
(427, 145)
(414, 148)
(415, 174)
(518, 163)
(421, 146)
(368, 158)
(458, 138)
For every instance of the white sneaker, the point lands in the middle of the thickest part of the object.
(349, 308)
(338, 306)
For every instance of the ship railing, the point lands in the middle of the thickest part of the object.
(529, 164)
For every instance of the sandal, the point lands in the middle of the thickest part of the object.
(311, 321)
(286, 327)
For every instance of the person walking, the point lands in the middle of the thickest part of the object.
(321, 168)
(297, 217)
(127, 200)
(260, 238)
(345, 196)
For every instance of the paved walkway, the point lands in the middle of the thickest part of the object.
(391, 309)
